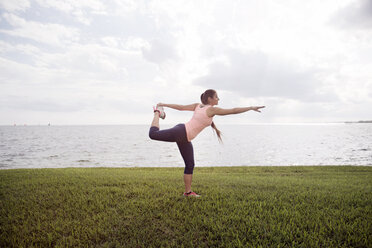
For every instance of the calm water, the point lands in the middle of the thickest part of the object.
(130, 146)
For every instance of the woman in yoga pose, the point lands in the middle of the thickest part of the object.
(182, 134)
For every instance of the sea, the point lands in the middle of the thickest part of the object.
(130, 146)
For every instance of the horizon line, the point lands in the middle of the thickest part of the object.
(142, 124)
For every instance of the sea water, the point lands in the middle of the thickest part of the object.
(130, 146)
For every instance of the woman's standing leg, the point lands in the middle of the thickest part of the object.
(176, 134)
(187, 178)
(187, 153)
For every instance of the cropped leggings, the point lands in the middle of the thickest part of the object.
(177, 134)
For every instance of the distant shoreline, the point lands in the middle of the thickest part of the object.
(358, 121)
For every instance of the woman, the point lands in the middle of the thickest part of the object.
(184, 133)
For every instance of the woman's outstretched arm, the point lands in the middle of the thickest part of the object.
(220, 111)
(190, 107)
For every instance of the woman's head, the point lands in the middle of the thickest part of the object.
(209, 97)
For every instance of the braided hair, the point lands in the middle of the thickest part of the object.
(204, 99)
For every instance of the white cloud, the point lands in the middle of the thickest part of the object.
(15, 5)
(357, 14)
(256, 74)
(80, 65)
(128, 55)
(48, 33)
(131, 43)
(19, 74)
(22, 48)
(80, 10)
(122, 7)
(70, 5)
(104, 63)
(83, 78)
(159, 51)
(111, 41)
(42, 104)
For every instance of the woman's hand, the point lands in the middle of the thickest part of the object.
(257, 108)
(160, 104)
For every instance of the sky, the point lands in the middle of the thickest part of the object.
(108, 62)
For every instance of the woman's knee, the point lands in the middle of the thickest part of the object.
(152, 132)
(189, 169)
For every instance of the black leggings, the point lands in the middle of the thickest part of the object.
(177, 134)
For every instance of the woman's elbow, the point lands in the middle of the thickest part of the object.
(234, 111)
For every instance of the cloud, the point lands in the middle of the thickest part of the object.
(122, 7)
(71, 5)
(14, 73)
(77, 66)
(357, 14)
(43, 104)
(80, 10)
(47, 33)
(159, 51)
(107, 64)
(106, 60)
(22, 48)
(15, 5)
(257, 74)
(130, 43)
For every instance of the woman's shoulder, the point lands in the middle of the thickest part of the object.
(204, 106)
(210, 111)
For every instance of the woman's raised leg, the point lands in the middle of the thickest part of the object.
(155, 121)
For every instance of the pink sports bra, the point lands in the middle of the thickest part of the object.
(198, 122)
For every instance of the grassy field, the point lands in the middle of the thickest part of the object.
(327, 206)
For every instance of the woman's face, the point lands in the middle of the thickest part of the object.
(213, 100)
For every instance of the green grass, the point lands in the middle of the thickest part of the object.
(326, 206)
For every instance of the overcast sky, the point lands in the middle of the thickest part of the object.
(108, 62)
